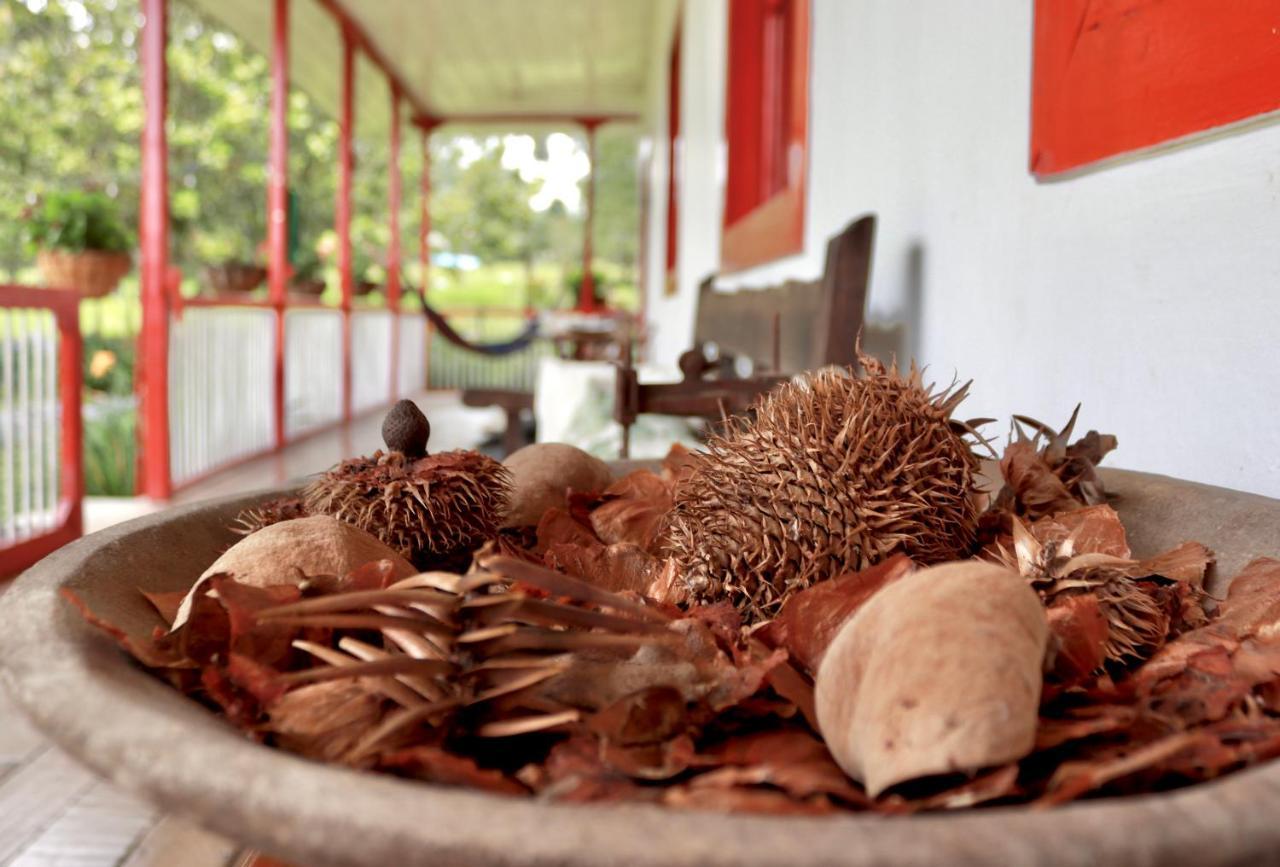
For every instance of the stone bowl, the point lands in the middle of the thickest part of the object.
(95, 703)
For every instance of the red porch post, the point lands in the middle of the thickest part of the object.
(587, 293)
(342, 213)
(278, 202)
(153, 231)
(393, 251)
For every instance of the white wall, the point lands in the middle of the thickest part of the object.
(1149, 290)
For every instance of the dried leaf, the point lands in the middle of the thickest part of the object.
(1080, 630)
(618, 568)
(557, 527)
(434, 764)
(811, 618)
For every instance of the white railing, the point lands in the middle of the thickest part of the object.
(413, 354)
(370, 358)
(30, 432)
(453, 367)
(312, 369)
(221, 387)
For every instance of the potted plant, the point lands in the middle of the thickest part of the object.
(80, 241)
(308, 275)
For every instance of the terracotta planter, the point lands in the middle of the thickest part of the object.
(90, 699)
(233, 277)
(92, 273)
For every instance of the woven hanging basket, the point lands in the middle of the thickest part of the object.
(233, 277)
(92, 273)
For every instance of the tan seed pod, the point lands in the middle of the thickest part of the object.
(830, 473)
(939, 673)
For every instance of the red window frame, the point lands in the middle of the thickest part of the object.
(1116, 76)
(673, 162)
(767, 131)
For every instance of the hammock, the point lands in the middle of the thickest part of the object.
(515, 344)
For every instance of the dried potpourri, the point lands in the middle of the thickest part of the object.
(572, 659)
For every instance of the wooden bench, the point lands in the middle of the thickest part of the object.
(782, 330)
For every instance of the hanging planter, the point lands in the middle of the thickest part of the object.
(233, 277)
(80, 242)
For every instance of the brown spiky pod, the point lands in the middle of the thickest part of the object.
(270, 512)
(830, 473)
(431, 509)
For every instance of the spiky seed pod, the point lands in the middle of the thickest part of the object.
(431, 509)
(830, 473)
(270, 512)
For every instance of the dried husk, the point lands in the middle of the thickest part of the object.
(430, 509)
(830, 474)
(939, 673)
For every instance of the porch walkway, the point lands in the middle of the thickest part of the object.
(53, 813)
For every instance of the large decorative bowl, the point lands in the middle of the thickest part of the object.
(99, 706)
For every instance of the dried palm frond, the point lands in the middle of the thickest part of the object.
(830, 474)
(490, 654)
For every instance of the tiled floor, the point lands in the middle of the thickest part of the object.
(53, 813)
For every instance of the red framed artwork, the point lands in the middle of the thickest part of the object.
(767, 131)
(1113, 77)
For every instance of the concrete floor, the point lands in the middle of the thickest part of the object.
(54, 813)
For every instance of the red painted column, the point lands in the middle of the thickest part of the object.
(342, 213)
(70, 384)
(278, 203)
(153, 232)
(424, 192)
(587, 293)
(394, 250)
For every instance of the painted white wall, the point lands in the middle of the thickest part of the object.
(1149, 290)
(700, 170)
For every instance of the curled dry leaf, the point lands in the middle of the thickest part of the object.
(938, 673)
(638, 506)
(811, 618)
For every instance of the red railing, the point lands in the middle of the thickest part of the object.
(41, 464)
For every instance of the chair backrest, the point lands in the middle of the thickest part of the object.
(818, 320)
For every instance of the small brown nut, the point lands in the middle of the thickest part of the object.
(543, 473)
(405, 429)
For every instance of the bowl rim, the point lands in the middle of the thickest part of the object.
(86, 696)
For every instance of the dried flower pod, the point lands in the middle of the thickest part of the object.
(542, 475)
(831, 474)
(940, 672)
(405, 429)
(429, 509)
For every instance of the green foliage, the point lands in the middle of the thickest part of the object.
(108, 364)
(110, 448)
(76, 221)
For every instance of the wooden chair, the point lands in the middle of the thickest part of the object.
(782, 330)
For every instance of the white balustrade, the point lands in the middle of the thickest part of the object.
(312, 369)
(30, 431)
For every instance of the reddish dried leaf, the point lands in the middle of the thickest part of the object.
(738, 799)
(654, 761)
(810, 619)
(1093, 530)
(143, 647)
(649, 716)
(799, 779)
(618, 568)
(435, 764)
(1033, 482)
(264, 641)
(575, 773)
(677, 466)
(1186, 564)
(1080, 630)
(240, 707)
(166, 604)
(1253, 600)
(557, 527)
(324, 720)
(1073, 779)
(1000, 783)
(1084, 723)
(260, 681)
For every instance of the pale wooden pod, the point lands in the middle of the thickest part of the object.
(543, 473)
(938, 673)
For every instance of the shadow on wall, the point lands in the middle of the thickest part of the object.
(900, 337)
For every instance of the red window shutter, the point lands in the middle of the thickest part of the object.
(1115, 76)
(766, 128)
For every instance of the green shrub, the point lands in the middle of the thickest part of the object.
(110, 447)
(77, 221)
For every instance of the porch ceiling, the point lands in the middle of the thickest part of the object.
(473, 58)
